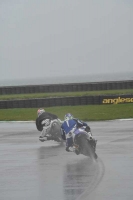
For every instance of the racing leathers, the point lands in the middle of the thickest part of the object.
(68, 127)
(44, 123)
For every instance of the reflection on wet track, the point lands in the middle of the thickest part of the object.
(32, 170)
(80, 178)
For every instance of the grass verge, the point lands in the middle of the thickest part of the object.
(86, 112)
(64, 94)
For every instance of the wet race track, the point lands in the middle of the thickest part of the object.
(34, 170)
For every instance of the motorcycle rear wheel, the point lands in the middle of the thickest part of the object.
(85, 147)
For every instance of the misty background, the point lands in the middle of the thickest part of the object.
(52, 41)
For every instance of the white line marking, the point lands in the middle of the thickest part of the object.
(130, 119)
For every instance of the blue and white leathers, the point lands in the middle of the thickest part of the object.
(68, 125)
(68, 128)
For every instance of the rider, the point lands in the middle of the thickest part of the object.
(43, 123)
(68, 127)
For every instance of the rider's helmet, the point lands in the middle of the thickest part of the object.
(40, 111)
(68, 116)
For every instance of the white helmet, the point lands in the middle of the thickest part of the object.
(40, 111)
(68, 116)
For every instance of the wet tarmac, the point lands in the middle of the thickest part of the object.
(34, 170)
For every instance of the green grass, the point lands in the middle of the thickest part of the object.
(63, 94)
(86, 112)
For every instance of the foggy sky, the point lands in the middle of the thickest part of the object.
(41, 38)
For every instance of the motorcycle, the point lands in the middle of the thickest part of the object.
(53, 132)
(84, 144)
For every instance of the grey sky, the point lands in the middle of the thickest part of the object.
(41, 38)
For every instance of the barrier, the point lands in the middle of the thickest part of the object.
(71, 87)
(67, 101)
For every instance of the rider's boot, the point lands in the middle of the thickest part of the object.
(42, 139)
(70, 149)
(73, 149)
(50, 137)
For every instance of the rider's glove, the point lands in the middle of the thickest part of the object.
(46, 122)
(70, 134)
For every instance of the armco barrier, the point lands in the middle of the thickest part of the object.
(67, 101)
(71, 87)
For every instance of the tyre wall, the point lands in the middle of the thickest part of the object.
(71, 87)
(67, 101)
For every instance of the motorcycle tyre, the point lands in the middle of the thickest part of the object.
(86, 148)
